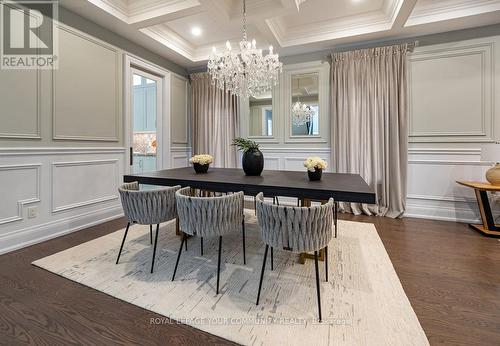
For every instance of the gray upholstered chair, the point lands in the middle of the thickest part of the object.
(209, 217)
(296, 229)
(147, 207)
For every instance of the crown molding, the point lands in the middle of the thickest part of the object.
(430, 11)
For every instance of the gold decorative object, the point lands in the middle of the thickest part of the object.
(491, 153)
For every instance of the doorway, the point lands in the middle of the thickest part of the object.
(146, 111)
(147, 130)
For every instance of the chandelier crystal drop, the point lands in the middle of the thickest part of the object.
(301, 113)
(247, 72)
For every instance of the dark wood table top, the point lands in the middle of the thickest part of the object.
(340, 186)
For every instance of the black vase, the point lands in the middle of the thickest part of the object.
(315, 175)
(253, 162)
(200, 168)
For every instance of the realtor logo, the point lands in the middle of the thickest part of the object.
(28, 37)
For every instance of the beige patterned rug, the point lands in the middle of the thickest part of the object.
(363, 303)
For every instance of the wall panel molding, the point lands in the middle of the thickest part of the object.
(37, 133)
(60, 150)
(272, 159)
(75, 187)
(179, 161)
(93, 181)
(57, 132)
(483, 53)
(26, 201)
(179, 117)
(294, 150)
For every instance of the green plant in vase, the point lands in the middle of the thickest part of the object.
(253, 159)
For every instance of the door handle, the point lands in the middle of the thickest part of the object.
(131, 156)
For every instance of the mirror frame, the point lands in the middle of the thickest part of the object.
(323, 71)
(245, 116)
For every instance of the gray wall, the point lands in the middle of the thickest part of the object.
(74, 20)
(81, 102)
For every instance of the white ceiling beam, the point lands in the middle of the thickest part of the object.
(403, 13)
(152, 20)
(264, 30)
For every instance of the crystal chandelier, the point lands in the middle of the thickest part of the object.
(247, 73)
(301, 113)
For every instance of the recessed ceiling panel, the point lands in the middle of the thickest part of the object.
(291, 26)
(314, 11)
(214, 30)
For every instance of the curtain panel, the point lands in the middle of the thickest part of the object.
(370, 123)
(215, 117)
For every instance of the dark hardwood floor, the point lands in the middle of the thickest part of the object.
(450, 273)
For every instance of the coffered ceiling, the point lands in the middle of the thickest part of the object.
(185, 30)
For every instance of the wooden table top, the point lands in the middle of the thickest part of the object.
(342, 187)
(480, 185)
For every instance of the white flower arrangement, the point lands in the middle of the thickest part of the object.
(315, 162)
(203, 159)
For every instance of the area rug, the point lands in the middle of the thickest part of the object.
(363, 303)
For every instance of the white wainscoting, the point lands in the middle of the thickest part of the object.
(453, 88)
(292, 159)
(71, 188)
(179, 157)
(432, 189)
(16, 196)
(432, 174)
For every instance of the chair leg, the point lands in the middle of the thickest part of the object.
(255, 204)
(326, 263)
(123, 242)
(201, 245)
(317, 283)
(272, 258)
(179, 255)
(186, 243)
(244, 250)
(151, 234)
(262, 274)
(154, 249)
(218, 263)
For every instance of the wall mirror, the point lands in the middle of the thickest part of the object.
(304, 111)
(260, 115)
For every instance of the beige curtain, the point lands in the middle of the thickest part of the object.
(215, 121)
(369, 127)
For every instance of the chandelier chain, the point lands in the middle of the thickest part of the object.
(244, 20)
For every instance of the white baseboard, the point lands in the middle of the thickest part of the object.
(40, 233)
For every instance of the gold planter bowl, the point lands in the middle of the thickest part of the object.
(493, 175)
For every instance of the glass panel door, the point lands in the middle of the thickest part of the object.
(146, 96)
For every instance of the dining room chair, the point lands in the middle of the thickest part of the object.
(147, 207)
(209, 217)
(296, 229)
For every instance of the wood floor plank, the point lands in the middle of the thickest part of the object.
(450, 273)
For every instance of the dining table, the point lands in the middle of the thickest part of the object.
(342, 187)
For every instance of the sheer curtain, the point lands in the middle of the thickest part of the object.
(369, 123)
(215, 121)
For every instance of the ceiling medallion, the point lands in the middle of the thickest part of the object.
(247, 73)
